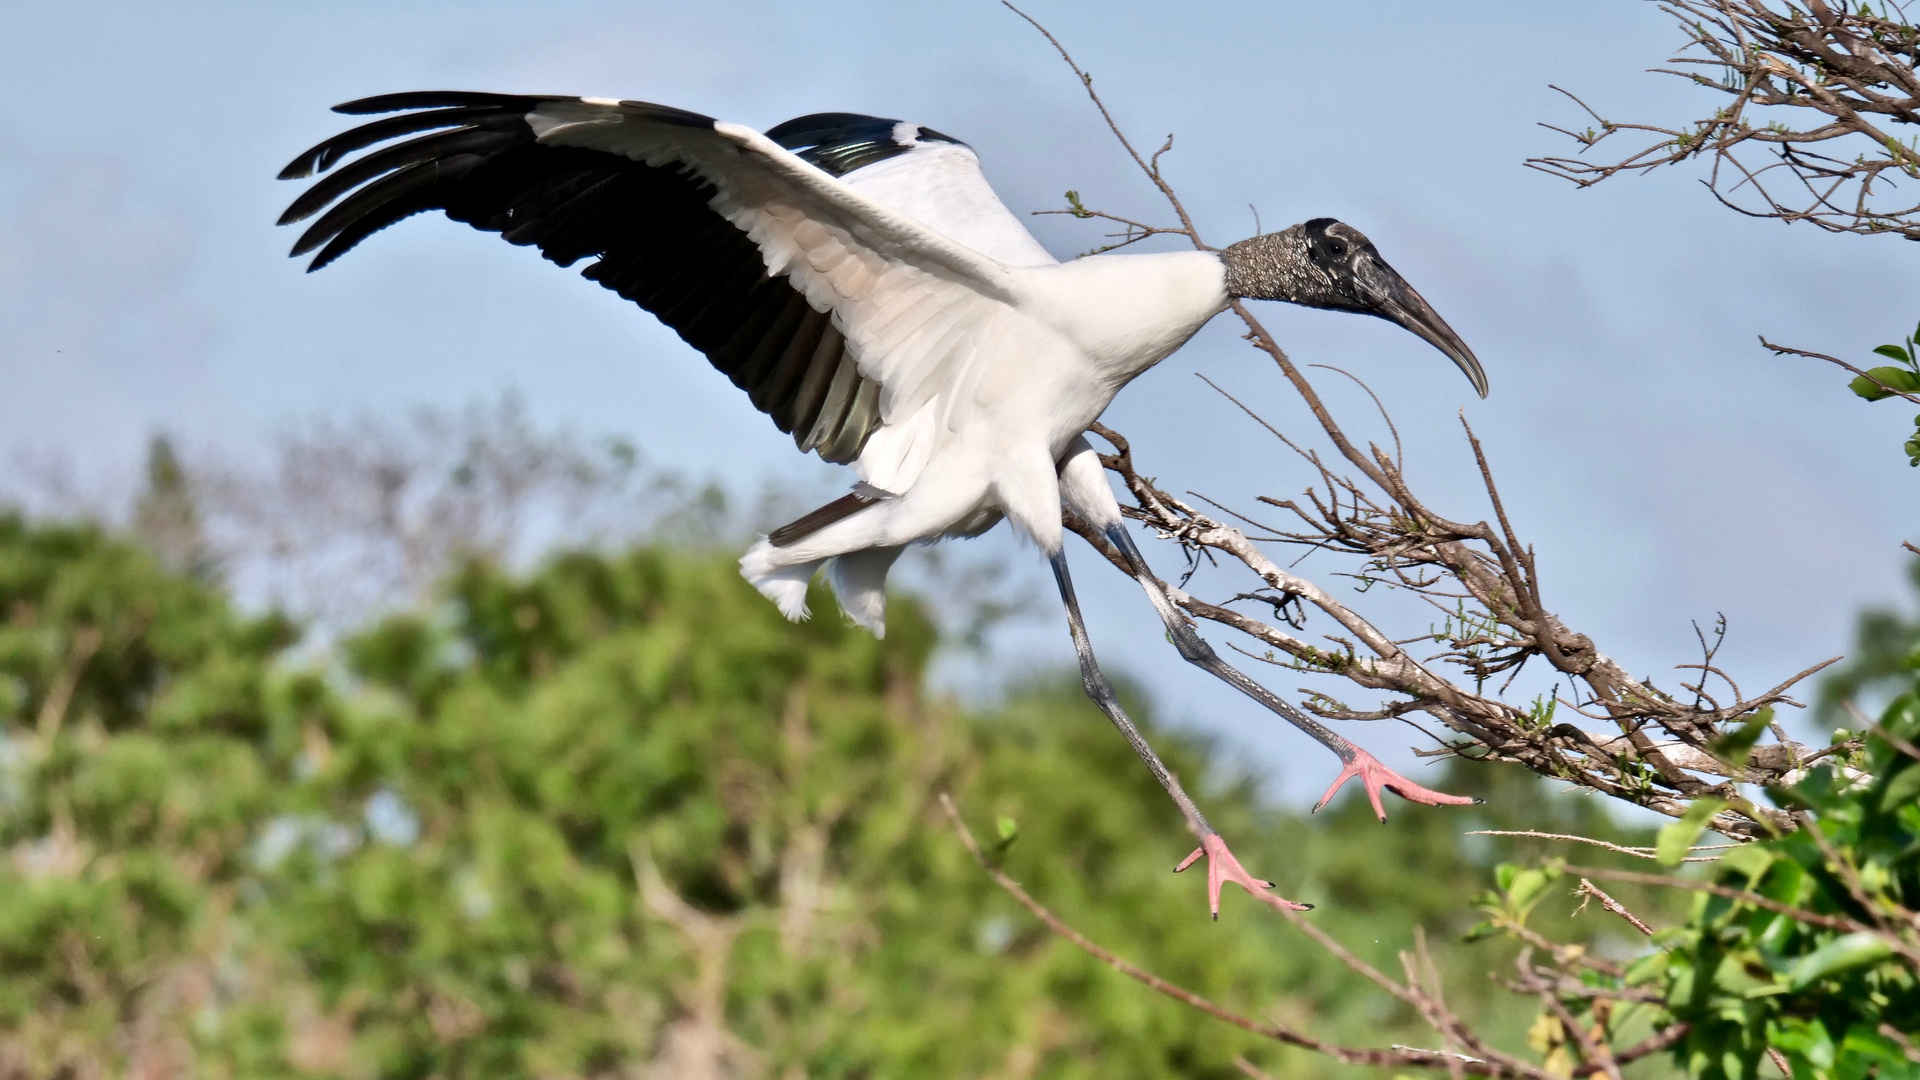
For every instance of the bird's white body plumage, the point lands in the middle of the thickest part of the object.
(992, 357)
(879, 303)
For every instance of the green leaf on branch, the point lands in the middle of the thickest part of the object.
(1677, 839)
(1806, 1039)
(1841, 954)
(1009, 831)
(1734, 746)
(1901, 789)
(1520, 888)
(1648, 968)
(1750, 859)
(1902, 717)
(1480, 931)
(1883, 382)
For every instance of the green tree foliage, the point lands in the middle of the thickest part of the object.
(1804, 947)
(137, 757)
(1841, 999)
(618, 818)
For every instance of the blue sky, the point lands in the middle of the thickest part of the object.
(1664, 466)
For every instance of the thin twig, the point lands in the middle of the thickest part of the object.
(1811, 918)
(1248, 1068)
(1152, 170)
(1399, 454)
(1636, 852)
(1275, 1031)
(1867, 375)
(1590, 889)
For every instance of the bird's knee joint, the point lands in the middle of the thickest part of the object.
(1194, 648)
(1098, 688)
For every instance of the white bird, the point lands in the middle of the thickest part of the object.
(860, 280)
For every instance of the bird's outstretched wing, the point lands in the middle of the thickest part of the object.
(836, 312)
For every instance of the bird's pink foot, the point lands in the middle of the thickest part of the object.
(1376, 776)
(1222, 867)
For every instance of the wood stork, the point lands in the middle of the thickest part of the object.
(859, 279)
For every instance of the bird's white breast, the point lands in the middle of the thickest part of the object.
(1126, 313)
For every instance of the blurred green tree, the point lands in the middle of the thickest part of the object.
(137, 756)
(617, 817)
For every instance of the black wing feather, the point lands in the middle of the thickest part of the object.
(811, 392)
(374, 207)
(323, 157)
(768, 320)
(442, 99)
(438, 146)
(651, 233)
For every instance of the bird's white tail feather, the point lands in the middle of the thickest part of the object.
(784, 584)
(860, 582)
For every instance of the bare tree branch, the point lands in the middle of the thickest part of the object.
(1482, 579)
(1813, 101)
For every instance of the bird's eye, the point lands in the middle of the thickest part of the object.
(1336, 249)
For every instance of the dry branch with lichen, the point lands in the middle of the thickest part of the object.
(1814, 107)
(1649, 746)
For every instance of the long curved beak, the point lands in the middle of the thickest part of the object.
(1410, 310)
(1400, 304)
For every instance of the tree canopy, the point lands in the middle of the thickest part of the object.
(617, 817)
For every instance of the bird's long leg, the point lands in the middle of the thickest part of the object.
(1221, 864)
(1195, 649)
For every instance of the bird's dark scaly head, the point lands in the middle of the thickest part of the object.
(1325, 263)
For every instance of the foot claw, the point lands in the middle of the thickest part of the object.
(1222, 867)
(1376, 776)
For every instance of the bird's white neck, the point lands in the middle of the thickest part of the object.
(1128, 312)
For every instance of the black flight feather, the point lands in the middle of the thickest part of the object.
(650, 232)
